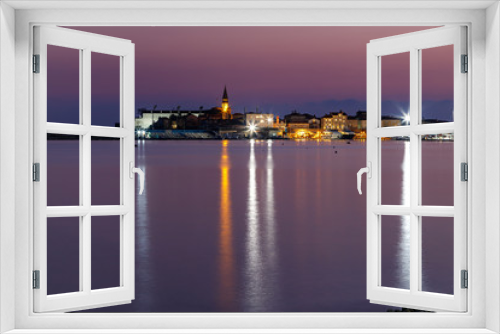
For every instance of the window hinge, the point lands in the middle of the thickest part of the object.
(465, 279)
(464, 171)
(36, 279)
(465, 64)
(36, 63)
(36, 172)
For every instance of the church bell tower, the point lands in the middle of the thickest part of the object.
(226, 109)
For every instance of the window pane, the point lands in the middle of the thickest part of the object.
(63, 170)
(437, 254)
(395, 95)
(437, 84)
(63, 85)
(105, 171)
(63, 255)
(105, 89)
(395, 171)
(437, 169)
(105, 252)
(395, 259)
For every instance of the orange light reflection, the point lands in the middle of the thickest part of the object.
(226, 256)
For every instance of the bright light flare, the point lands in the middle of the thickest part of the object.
(252, 127)
(406, 118)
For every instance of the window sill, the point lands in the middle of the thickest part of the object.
(247, 331)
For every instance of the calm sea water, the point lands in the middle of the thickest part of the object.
(251, 226)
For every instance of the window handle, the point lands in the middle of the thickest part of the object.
(368, 171)
(141, 176)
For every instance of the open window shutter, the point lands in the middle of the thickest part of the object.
(85, 295)
(411, 213)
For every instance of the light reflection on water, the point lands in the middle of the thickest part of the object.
(404, 238)
(143, 230)
(271, 249)
(254, 267)
(255, 226)
(260, 267)
(226, 262)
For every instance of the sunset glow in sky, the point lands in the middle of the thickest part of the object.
(276, 69)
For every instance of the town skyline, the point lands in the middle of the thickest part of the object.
(393, 108)
(313, 70)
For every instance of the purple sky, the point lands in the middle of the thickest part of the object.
(277, 69)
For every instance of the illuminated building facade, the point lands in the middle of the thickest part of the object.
(225, 108)
(334, 121)
(150, 119)
(387, 121)
(358, 123)
(259, 120)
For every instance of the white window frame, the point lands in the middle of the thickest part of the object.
(414, 44)
(123, 50)
(483, 20)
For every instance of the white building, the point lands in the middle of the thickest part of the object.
(148, 118)
(334, 121)
(259, 120)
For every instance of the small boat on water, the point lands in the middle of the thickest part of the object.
(346, 134)
(331, 134)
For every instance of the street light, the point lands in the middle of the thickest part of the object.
(406, 118)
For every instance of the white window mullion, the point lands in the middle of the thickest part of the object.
(40, 156)
(86, 173)
(460, 156)
(101, 131)
(434, 211)
(434, 129)
(415, 254)
(422, 129)
(80, 211)
(80, 130)
(123, 181)
(373, 189)
(393, 131)
(392, 210)
(414, 170)
(127, 230)
(85, 254)
(421, 210)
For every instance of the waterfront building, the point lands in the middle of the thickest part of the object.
(296, 132)
(225, 108)
(297, 125)
(334, 121)
(223, 112)
(432, 120)
(239, 116)
(357, 123)
(295, 117)
(314, 123)
(150, 119)
(281, 125)
(299, 129)
(388, 121)
(259, 120)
